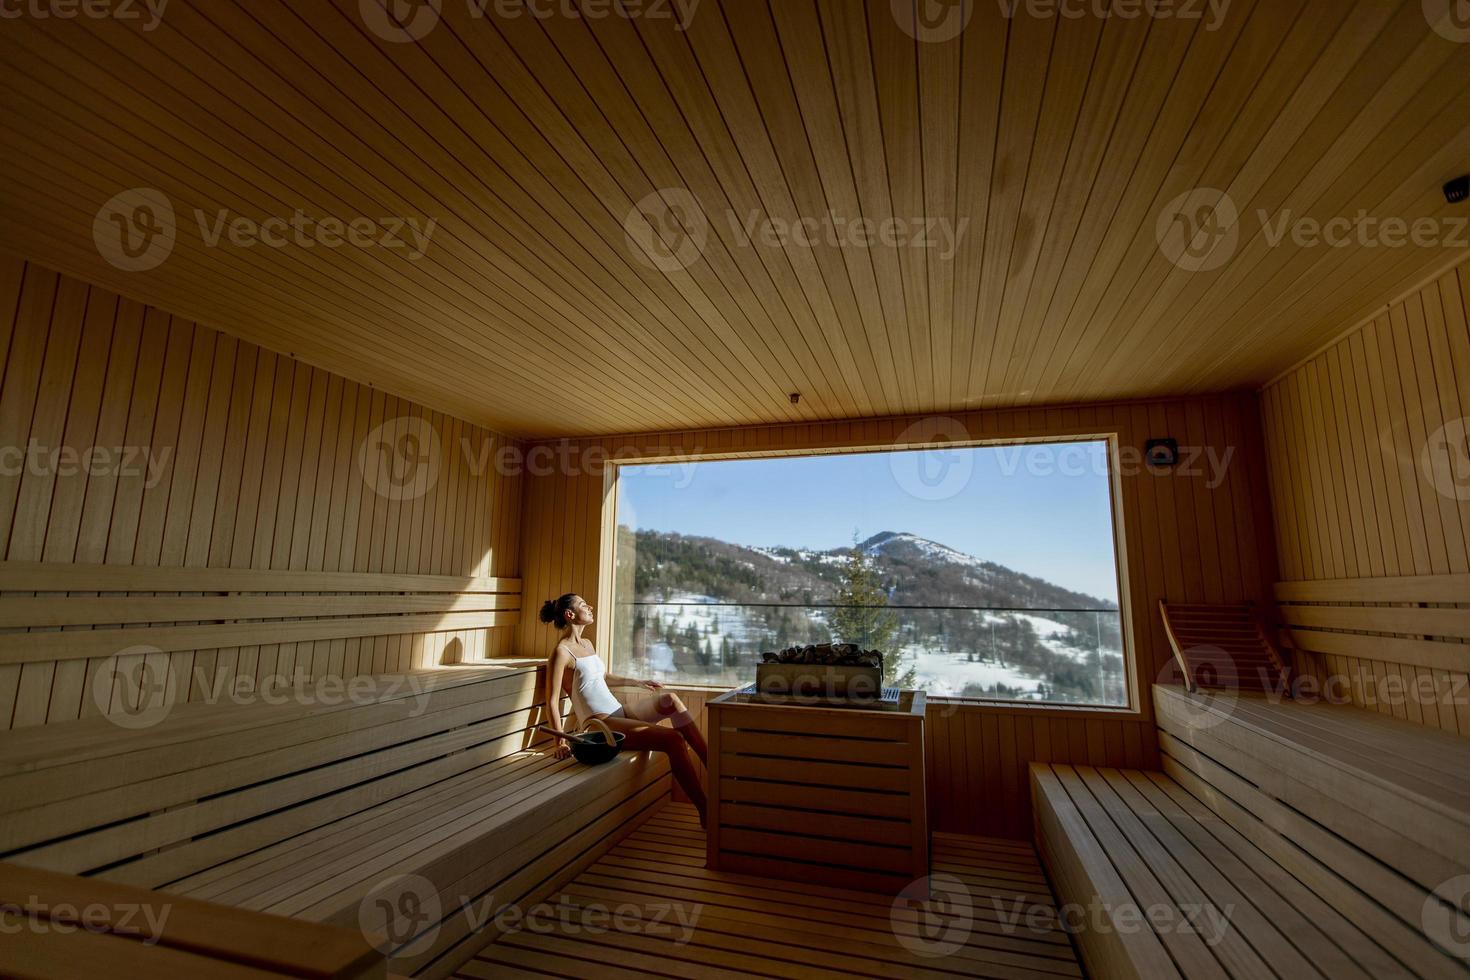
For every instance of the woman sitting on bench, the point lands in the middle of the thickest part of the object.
(636, 710)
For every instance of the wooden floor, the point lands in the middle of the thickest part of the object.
(649, 908)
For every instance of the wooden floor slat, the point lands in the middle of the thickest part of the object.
(722, 924)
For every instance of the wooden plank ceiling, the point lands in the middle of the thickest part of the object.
(1045, 147)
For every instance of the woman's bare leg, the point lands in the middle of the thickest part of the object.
(656, 738)
(654, 706)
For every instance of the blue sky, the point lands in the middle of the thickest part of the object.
(1039, 509)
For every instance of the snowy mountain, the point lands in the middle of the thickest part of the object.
(707, 608)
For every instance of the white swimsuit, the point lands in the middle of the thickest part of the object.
(590, 693)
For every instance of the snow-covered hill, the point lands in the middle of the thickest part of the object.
(706, 608)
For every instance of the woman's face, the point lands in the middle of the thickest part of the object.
(581, 612)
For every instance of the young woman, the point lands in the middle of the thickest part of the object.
(635, 710)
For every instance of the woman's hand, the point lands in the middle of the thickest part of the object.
(651, 685)
(561, 750)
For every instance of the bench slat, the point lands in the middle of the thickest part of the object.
(1081, 869)
(1192, 883)
(25, 576)
(401, 722)
(42, 955)
(558, 852)
(1402, 942)
(188, 725)
(1148, 881)
(1296, 914)
(20, 648)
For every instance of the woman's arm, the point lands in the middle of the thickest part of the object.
(613, 680)
(556, 666)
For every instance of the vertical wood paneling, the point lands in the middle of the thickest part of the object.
(1182, 538)
(1370, 478)
(255, 465)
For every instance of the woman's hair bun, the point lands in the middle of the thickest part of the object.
(554, 611)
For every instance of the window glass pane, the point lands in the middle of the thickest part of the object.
(985, 571)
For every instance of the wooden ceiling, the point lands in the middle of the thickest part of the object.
(1047, 147)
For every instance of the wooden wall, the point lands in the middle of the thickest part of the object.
(1370, 487)
(1183, 539)
(256, 467)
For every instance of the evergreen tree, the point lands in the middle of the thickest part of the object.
(862, 616)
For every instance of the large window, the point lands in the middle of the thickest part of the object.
(980, 571)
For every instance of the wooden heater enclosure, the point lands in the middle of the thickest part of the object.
(828, 795)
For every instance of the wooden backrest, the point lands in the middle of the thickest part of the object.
(1222, 646)
(211, 782)
(1420, 621)
(126, 635)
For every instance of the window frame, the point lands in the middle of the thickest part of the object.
(1131, 678)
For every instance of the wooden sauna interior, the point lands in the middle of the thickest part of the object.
(269, 707)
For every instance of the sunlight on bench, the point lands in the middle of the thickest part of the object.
(414, 811)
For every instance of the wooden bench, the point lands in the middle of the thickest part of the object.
(402, 809)
(1281, 839)
(61, 926)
